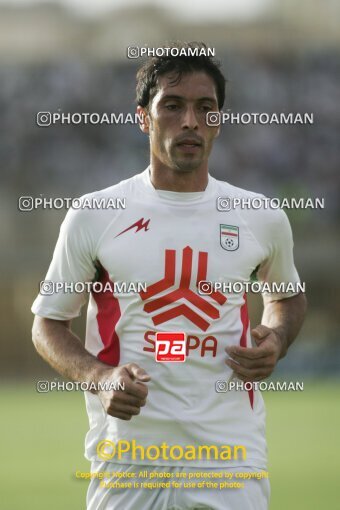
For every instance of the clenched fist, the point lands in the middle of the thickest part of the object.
(125, 403)
(256, 363)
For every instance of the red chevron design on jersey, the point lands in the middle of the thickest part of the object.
(138, 225)
(200, 304)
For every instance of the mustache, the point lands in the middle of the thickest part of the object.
(192, 137)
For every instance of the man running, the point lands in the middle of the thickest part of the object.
(173, 422)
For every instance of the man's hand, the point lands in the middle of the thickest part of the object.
(256, 363)
(125, 403)
(63, 350)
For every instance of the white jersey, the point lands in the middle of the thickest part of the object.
(168, 242)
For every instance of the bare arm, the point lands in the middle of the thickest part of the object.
(63, 350)
(285, 317)
(281, 322)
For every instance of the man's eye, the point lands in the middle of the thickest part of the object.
(172, 107)
(206, 108)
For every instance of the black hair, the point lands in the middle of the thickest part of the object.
(190, 57)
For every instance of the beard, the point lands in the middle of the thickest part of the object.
(170, 154)
(181, 162)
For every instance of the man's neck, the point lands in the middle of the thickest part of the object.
(167, 179)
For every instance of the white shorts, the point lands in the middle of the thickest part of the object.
(253, 496)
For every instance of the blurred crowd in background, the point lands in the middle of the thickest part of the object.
(68, 161)
(268, 158)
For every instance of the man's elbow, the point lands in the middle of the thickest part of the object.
(43, 328)
(37, 331)
(303, 303)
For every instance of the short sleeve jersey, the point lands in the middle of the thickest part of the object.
(168, 242)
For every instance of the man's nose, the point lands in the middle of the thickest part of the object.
(189, 119)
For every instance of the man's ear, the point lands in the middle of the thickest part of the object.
(144, 123)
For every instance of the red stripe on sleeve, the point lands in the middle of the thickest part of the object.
(107, 317)
(243, 340)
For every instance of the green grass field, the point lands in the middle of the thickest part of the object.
(43, 437)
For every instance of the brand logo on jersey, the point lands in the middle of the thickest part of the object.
(229, 237)
(194, 345)
(170, 347)
(200, 308)
(139, 225)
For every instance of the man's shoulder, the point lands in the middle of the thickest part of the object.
(236, 192)
(115, 190)
(92, 211)
(255, 208)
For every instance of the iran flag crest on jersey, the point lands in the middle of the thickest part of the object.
(229, 237)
